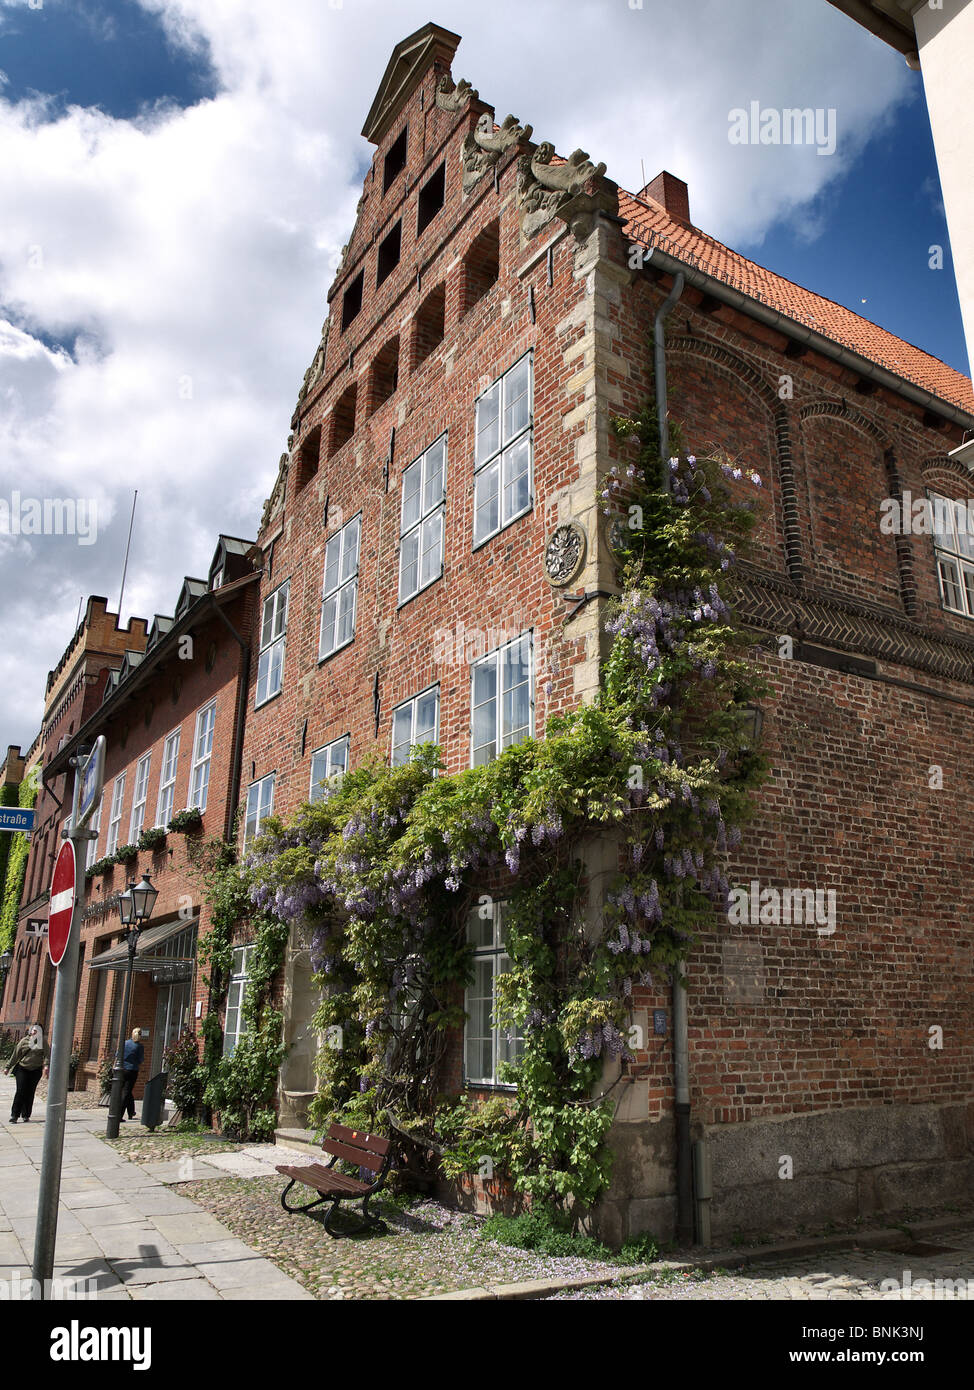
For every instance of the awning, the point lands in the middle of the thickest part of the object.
(151, 952)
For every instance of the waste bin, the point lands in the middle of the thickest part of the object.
(153, 1099)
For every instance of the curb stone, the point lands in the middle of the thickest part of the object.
(728, 1259)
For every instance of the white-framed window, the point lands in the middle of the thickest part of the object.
(234, 1025)
(502, 454)
(260, 804)
(270, 663)
(954, 549)
(487, 1044)
(115, 815)
(339, 589)
(139, 797)
(422, 518)
(501, 699)
(328, 767)
(199, 778)
(94, 824)
(167, 778)
(414, 722)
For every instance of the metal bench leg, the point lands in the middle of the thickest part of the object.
(374, 1223)
(328, 1219)
(307, 1207)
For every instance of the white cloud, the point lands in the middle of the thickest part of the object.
(199, 244)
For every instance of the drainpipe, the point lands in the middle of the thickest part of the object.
(681, 1071)
(243, 679)
(659, 364)
(681, 1046)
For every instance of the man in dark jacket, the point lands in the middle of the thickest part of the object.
(132, 1056)
(27, 1063)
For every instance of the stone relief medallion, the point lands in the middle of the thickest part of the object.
(564, 554)
(616, 534)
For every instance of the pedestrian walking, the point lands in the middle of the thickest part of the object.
(27, 1063)
(132, 1056)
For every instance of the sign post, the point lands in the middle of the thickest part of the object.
(64, 929)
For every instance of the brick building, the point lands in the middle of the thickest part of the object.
(74, 691)
(171, 715)
(495, 307)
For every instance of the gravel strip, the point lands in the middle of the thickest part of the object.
(428, 1249)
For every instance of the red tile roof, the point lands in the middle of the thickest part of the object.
(647, 223)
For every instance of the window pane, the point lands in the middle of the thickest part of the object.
(263, 675)
(517, 478)
(432, 559)
(401, 730)
(346, 614)
(486, 502)
(412, 480)
(488, 424)
(350, 550)
(969, 587)
(949, 584)
(267, 625)
(433, 489)
(328, 611)
(425, 731)
(480, 928)
(962, 526)
(333, 554)
(338, 757)
(517, 398)
(319, 768)
(409, 565)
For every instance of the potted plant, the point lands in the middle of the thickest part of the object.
(152, 839)
(127, 854)
(187, 822)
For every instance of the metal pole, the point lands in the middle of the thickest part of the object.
(62, 1034)
(115, 1104)
(681, 1068)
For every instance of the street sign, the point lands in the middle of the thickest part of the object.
(16, 818)
(61, 906)
(92, 776)
(36, 926)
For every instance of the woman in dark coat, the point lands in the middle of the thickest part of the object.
(27, 1063)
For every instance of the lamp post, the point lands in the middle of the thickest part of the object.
(135, 906)
(6, 961)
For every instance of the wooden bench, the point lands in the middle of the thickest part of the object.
(367, 1151)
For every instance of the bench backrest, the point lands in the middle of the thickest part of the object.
(367, 1150)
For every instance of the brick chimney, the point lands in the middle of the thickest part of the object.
(672, 193)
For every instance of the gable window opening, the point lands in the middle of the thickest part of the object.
(343, 418)
(384, 377)
(414, 723)
(502, 452)
(339, 589)
(422, 520)
(260, 805)
(489, 1045)
(352, 299)
(395, 161)
(431, 197)
(429, 326)
(308, 459)
(273, 628)
(481, 267)
(139, 797)
(328, 767)
(199, 779)
(388, 255)
(167, 779)
(954, 550)
(115, 815)
(502, 699)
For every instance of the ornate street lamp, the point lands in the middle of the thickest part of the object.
(6, 961)
(135, 908)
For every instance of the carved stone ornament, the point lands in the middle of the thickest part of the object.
(616, 534)
(547, 190)
(277, 493)
(484, 146)
(313, 375)
(450, 96)
(564, 554)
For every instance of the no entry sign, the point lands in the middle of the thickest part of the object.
(62, 903)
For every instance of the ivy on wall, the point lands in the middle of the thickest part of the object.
(19, 849)
(386, 869)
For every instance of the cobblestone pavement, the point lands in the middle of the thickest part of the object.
(848, 1274)
(428, 1250)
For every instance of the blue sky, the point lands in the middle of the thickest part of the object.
(179, 176)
